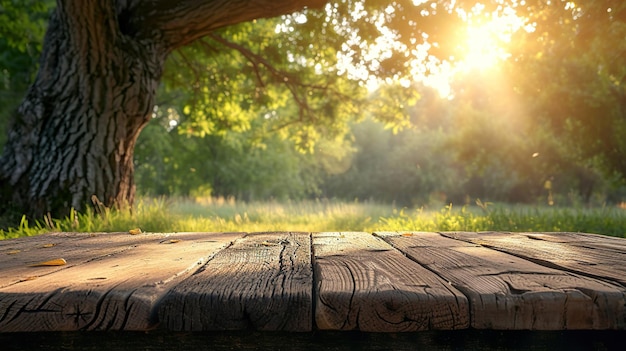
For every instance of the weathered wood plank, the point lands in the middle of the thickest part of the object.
(587, 254)
(110, 281)
(508, 292)
(262, 282)
(362, 283)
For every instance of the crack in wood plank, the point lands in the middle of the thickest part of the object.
(567, 252)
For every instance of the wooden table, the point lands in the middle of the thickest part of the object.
(312, 282)
(381, 282)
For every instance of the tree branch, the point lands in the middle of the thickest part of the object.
(298, 89)
(177, 23)
(288, 80)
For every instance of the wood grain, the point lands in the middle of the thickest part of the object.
(387, 282)
(262, 282)
(592, 255)
(362, 283)
(111, 281)
(508, 292)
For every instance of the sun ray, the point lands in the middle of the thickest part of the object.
(484, 44)
(487, 38)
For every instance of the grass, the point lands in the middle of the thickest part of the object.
(607, 221)
(224, 215)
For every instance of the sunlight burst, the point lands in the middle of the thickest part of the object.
(487, 38)
(484, 44)
(483, 51)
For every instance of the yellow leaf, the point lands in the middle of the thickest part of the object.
(135, 231)
(171, 241)
(407, 234)
(48, 245)
(55, 262)
(13, 252)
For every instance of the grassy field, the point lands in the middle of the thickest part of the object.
(221, 215)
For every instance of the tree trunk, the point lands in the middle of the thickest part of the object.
(74, 133)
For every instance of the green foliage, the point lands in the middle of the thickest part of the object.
(23, 22)
(253, 78)
(22, 26)
(171, 163)
(569, 76)
(410, 167)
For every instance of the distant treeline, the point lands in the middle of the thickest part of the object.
(418, 166)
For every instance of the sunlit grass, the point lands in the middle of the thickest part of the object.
(319, 215)
(227, 215)
(606, 220)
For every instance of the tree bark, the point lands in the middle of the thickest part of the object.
(74, 134)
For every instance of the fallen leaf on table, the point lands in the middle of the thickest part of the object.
(48, 245)
(407, 234)
(55, 262)
(171, 241)
(13, 252)
(135, 231)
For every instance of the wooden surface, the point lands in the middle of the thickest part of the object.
(262, 282)
(382, 282)
(362, 283)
